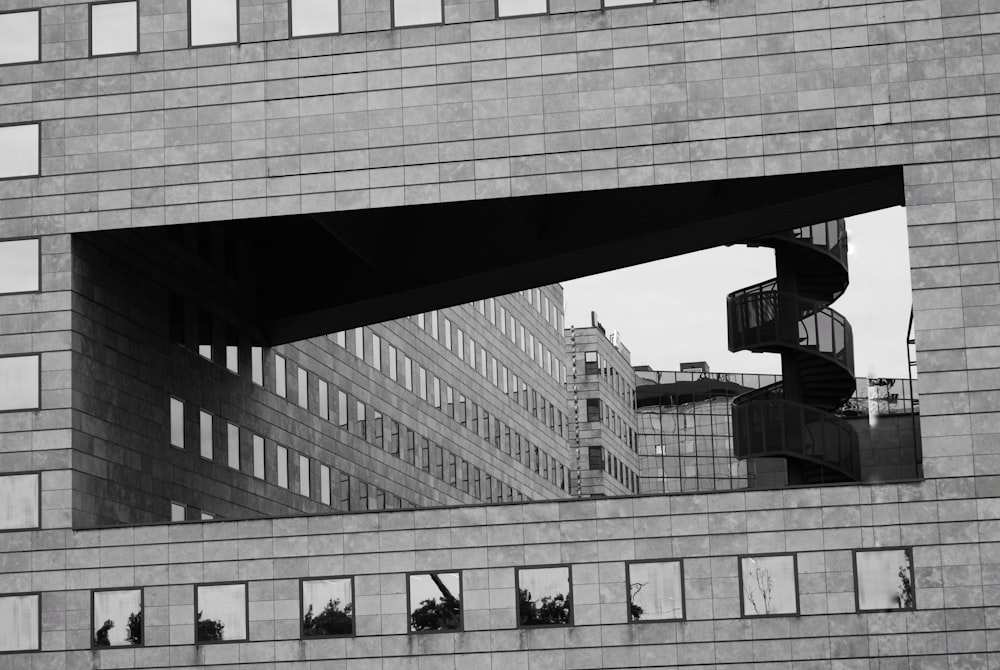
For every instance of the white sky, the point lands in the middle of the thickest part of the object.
(674, 310)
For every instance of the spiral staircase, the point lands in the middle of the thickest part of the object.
(790, 315)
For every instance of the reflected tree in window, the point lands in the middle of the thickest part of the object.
(769, 585)
(328, 606)
(117, 618)
(209, 630)
(885, 580)
(544, 597)
(435, 602)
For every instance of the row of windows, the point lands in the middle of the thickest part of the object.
(114, 25)
(428, 387)
(508, 325)
(293, 470)
(613, 466)
(599, 412)
(543, 596)
(400, 368)
(595, 363)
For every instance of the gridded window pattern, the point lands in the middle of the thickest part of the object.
(20, 37)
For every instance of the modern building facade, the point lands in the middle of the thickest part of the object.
(404, 161)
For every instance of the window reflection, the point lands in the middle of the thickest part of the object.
(19, 384)
(415, 13)
(19, 265)
(327, 607)
(885, 579)
(19, 32)
(117, 618)
(655, 591)
(19, 151)
(20, 614)
(769, 585)
(544, 596)
(435, 602)
(19, 501)
(213, 22)
(220, 613)
(114, 28)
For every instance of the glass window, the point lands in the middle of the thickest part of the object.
(885, 579)
(177, 511)
(176, 423)
(279, 375)
(282, 466)
(407, 373)
(20, 36)
(359, 343)
(114, 28)
(769, 585)
(392, 363)
(304, 475)
(624, 3)
(435, 601)
(416, 12)
(233, 445)
(303, 398)
(22, 616)
(447, 333)
(327, 607)
(434, 324)
(257, 365)
(324, 484)
(341, 409)
(205, 432)
(220, 613)
(19, 382)
(19, 501)
(19, 269)
(376, 352)
(324, 400)
(213, 22)
(258, 456)
(655, 589)
(117, 620)
(205, 516)
(544, 596)
(314, 17)
(521, 7)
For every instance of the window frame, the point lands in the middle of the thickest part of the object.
(38, 596)
(38, 11)
(497, 15)
(628, 588)
(631, 3)
(392, 17)
(38, 508)
(142, 609)
(90, 27)
(857, 592)
(795, 579)
(246, 611)
(190, 35)
(517, 596)
(38, 243)
(302, 614)
(38, 163)
(461, 602)
(38, 397)
(340, 23)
